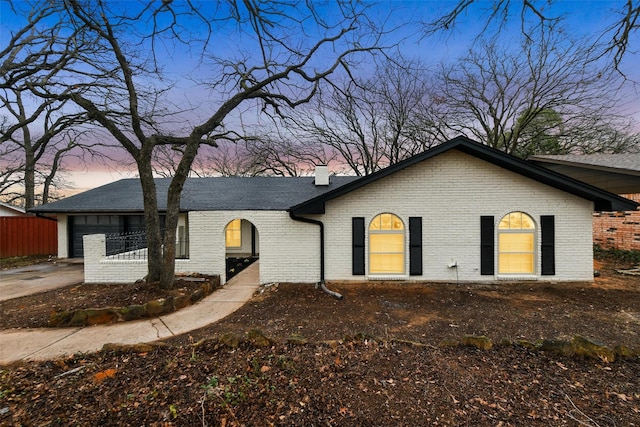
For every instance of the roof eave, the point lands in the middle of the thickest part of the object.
(623, 171)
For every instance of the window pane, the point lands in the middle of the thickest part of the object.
(233, 234)
(233, 238)
(527, 222)
(516, 242)
(397, 223)
(387, 263)
(504, 223)
(515, 263)
(515, 220)
(375, 224)
(386, 243)
(385, 220)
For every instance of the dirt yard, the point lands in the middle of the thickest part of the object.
(384, 355)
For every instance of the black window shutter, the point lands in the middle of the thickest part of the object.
(486, 245)
(547, 228)
(415, 246)
(357, 254)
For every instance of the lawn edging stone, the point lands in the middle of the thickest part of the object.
(150, 309)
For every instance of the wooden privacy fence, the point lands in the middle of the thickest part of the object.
(29, 235)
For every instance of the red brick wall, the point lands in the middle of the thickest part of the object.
(620, 230)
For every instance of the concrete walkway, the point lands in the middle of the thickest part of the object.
(43, 344)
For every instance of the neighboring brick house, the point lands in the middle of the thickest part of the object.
(458, 212)
(616, 173)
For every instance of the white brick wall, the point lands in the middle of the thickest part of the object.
(63, 237)
(450, 193)
(289, 250)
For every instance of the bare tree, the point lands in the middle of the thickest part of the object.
(499, 95)
(37, 133)
(272, 55)
(534, 18)
(231, 159)
(374, 122)
(281, 154)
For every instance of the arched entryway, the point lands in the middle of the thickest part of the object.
(242, 246)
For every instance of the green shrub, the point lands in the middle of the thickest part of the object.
(616, 255)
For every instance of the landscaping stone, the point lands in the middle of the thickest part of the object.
(230, 340)
(258, 339)
(60, 318)
(526, 344)
(133, 312)
(592, 349)
(79, 318)
(556, 346)
(158, 307)
(197, 295)
(297, 339)
(181, 301)
(448, 343)
(101, 316)
(135, 348)
(480, 342)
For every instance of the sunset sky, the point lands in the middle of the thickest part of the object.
(588, 18)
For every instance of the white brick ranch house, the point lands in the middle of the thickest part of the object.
(458, 212)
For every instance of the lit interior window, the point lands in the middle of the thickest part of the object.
(516, 244)
(233, 233)
(386, 245)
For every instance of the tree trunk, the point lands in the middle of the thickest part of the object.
(29, 180)
(151, 218)
(173, 212)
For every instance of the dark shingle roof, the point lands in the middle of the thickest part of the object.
(624, 163)
(618, 173)
(199, 194)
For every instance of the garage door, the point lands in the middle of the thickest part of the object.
(81, 225)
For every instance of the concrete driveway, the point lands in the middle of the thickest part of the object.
(32, 279)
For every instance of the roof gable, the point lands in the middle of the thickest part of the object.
(603, 200)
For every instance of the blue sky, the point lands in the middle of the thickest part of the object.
(581, 18)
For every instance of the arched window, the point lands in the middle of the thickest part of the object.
(386, 245)
(516, 244)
